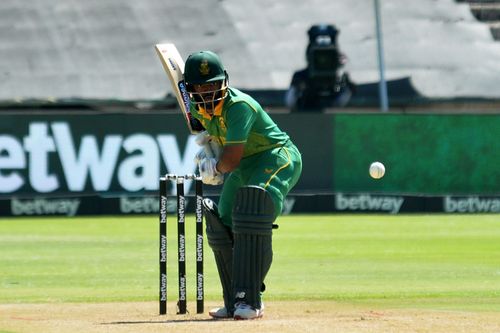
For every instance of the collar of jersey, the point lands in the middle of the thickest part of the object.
(217, 111)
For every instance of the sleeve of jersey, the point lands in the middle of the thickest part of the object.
(239, 121)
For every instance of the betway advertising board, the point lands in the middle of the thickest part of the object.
(87, 163)
(353, 203)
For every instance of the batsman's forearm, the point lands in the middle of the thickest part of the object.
(226, 164)
(230, 158)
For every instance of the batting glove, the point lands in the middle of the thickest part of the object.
(208, 172)
(202, 138)
(200, 155)
(212, 147)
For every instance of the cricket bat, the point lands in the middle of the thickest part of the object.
(174, 67)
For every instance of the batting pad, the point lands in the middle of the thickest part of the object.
(220, 239)
(253, 216)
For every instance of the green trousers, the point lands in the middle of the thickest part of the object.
(276, 170)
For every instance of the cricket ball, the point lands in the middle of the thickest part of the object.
(377, 170)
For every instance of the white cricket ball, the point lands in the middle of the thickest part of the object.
(377, 170)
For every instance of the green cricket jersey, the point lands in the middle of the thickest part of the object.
(241, 119)
(270, 159)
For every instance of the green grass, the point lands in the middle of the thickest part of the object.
(431, 261)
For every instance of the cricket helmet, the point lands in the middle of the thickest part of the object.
(205, 68)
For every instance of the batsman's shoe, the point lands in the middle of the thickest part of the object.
(219, 313)
(244, 311)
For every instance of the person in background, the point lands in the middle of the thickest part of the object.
(323, 83)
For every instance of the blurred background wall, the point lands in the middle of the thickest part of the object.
(104, 49)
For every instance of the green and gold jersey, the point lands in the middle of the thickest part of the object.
(241, 120)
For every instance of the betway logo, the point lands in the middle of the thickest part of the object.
(148, 205)
(135, 160)
(68, 207)
(368, 202)
(471, 205)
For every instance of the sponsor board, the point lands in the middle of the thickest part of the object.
(134, 205)
(368, 203)
(34, 207)
(339, 203)
(471, 204)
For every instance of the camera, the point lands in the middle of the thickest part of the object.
(323, 56)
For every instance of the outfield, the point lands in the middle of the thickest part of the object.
(352, 264)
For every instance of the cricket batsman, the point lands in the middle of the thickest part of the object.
(261, 165)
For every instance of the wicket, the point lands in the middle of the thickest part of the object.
(181, 242)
